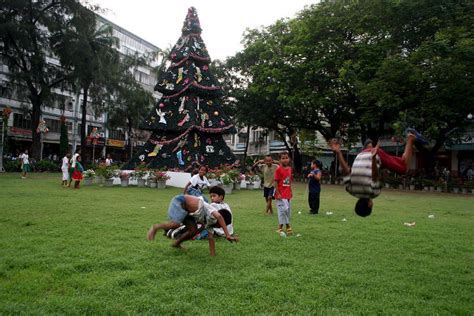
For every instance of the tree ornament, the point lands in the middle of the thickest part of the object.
(141, 157)
(179, 155)
(162, 116)
(162, 105)
(184, 120)
(210, 149)
(181, 107)
(198, 74)
(42, 128)
(216, 113)
(180, 75)
(155, 151)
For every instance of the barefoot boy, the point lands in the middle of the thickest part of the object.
(189, 210)
(268, 167)
(217, 200)
(363, 180)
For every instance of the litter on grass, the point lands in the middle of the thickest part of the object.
(143, 207)
(344, 220)
(431, 216)
(409, 224)
(328, 213)
(299, 212)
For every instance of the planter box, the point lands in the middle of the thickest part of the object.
(124, 183)
(432, 189)
(88, 181)
(109, 182)
(400, 186)
(228, 188)
(99, 180)
(455, 190)
(387, 186)
(236, 185)
(152, 184)
(439, 189)
(160, 184)
(141, 183)
(412, 187)
(250, 186)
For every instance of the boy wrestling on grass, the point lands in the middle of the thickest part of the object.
(190, 210)
(363, 180)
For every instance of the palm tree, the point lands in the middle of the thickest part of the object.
(89, 48)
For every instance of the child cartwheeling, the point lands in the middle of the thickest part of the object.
(190, 210)
(362, 181)
(314, 187)
(283, 194)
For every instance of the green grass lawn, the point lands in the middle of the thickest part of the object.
(66, 251)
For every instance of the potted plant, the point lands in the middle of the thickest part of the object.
(124, 178)
(251, 179)
(227, 183)
(109, 174)
(139, 173)
(160, 178)
(151, 179)
(428, 185)
(89, 176)
(100, 171)
(469, 186)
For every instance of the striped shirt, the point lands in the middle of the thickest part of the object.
(359, 183)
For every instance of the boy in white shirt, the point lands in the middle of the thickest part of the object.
(25, 164)
(217, 200)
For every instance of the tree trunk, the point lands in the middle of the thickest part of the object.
(35, 118)
(83, 122)
(247, 140)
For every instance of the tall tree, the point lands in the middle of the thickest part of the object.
(26, 30)
(90, 49)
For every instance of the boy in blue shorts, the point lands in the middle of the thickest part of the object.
(190, 210)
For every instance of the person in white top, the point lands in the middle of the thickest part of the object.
(25, 164)
(217, 200)
(65, 169)
(108, 160)
(197, 183)
(72, 163)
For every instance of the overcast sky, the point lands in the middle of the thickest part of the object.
(222, 21)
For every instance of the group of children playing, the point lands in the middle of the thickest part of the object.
(362, 182)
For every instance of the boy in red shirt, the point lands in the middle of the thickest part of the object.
(282, 183)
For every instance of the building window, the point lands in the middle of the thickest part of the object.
(116, 134)
(20, 121)
(54, 126)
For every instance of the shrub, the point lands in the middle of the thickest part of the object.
(46, 165)
(12, 165)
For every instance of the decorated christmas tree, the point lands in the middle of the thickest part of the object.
(188, 122)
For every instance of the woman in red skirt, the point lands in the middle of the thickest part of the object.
(77, 174)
